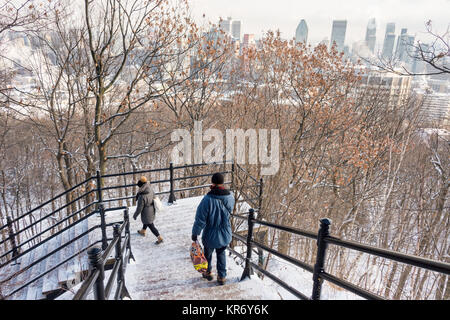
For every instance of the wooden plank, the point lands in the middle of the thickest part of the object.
(70, 266)
(84, 243)
(35, 289)
(22, 278)
(50, 283)
(64, 254)
(81, 261)
(11, 270)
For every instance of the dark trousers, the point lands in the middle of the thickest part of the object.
(221, 260)
(152, 229)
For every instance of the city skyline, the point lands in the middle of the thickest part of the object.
(260, 16)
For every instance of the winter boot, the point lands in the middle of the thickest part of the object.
(142, 232)
(207, 275)
(221, 281)
(159, 240)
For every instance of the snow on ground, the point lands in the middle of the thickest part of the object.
(166, 272)
(302, 281)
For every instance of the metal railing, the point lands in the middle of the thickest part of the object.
(97, 260)
(98, 255)
(18, 248)
(323, 239)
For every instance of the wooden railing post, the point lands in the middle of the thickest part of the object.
(96, 263)
(324, 231)
(172, 193)
(12, 237)
(248, 269)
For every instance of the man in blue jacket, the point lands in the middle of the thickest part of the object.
(213, 217)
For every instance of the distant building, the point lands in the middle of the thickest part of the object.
(236, 30)
(325, 42)
(389, 40)
(394, 88)
(225, 25)
(301, 34)
(371, 35)
(360, 50)
(347, 51)
(338, 34)
(435, 109)
(249, 41)
(439, 86)
(404, 46)
(418, 65)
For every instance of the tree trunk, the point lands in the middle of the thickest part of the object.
(401, 284)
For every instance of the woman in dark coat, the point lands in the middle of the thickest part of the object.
(146, 209)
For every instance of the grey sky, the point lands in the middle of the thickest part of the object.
(261, 15)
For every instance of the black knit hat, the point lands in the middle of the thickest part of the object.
(217, 178)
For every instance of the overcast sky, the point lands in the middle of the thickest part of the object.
(262, 15)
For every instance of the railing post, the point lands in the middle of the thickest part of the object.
(96, 263)
(261, 188)
(101, 208)
(324, 231)
(119, 254)
(126, 219)
(248, 269)
(232, 176)
(99, 187)
(172, 193)
(12, 237)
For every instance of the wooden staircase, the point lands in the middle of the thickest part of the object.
(53, 282)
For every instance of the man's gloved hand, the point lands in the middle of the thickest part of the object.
(194, 237)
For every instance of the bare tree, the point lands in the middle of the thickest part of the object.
(435, 55)
(129, 43)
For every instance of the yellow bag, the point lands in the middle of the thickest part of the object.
(198, 257)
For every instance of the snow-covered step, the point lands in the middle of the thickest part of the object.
(23, 277)
(80, 263)
(64, 254)
(165, 271)
(72, 248)
(71, 270)
(35, 289)
(9, 270)
(50, 281)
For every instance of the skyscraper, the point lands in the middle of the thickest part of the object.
(338, 34)
(418, 65)
(225, 25)
(389, 40)
(404, 45)
(301, 34)
(236, 30)
(371, 33)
